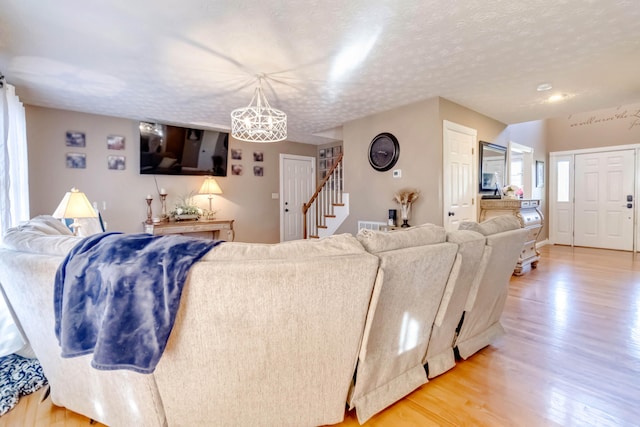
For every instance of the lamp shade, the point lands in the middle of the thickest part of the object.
(210, 186)
(74, 204)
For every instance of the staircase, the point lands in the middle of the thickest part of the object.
(328, 207)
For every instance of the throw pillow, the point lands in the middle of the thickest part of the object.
(167, 162)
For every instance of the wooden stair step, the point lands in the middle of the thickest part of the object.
(329, 216)
(314, 237)
(322, 226)
(338, 204)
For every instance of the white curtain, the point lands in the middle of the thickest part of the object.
(14, 197)
(14, 175)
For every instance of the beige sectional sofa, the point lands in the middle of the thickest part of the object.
(273, 334)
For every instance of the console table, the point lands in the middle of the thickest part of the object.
(216, 229)
(530, 217)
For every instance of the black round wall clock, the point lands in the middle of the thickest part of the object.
(384, 151)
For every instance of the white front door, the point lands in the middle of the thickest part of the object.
(297, 184)
(604, 205)
(459, 174)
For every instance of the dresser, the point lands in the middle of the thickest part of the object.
(530, 217)
(216, 229)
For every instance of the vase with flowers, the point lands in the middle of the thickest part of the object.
(512, 191)
(405, 198)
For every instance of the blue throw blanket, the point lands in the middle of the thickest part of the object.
(117, 295)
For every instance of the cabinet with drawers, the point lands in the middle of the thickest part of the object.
(530, 217)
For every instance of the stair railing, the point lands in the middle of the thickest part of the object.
(321, 205)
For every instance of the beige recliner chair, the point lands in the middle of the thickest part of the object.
(440, 355)
(486, 299)
(413, 272)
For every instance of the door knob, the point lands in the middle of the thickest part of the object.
(451, 213)
(286, 210)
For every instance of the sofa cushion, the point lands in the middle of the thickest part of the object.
(40, 235)
(340, 244)
(492, 226)
(46, 224)
(381, 241)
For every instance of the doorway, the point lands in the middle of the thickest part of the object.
(297, 184)
(460, 177)
(592, 196)
(604, 207)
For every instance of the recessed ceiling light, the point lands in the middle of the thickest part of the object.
(543, 87)
(557, 97)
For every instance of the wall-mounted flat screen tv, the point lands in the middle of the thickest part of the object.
(174, 150)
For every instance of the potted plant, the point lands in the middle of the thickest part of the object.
(405, 198)
(185, 209)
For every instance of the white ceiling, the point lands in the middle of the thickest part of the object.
(328, 61)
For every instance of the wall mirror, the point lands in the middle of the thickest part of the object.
(493, 164)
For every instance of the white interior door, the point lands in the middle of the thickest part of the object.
(297, 184)
(604, 205)
(460, 176)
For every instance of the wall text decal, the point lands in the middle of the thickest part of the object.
(633, 116)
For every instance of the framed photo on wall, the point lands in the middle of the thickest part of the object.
(75, 139)
(236, 153)
(236, 169)
(115, 142)
(116, 163)
(76, 160)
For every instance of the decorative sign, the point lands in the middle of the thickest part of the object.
(629, 115)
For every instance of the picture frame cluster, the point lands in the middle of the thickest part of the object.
(327, 158)
(77, 159)
(237, 168)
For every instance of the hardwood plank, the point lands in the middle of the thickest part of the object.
(35, 410)
(571, 356)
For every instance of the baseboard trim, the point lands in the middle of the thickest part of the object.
(542, 243)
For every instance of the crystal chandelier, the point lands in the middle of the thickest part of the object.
(258, 122)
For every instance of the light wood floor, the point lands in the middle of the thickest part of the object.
(571, 356)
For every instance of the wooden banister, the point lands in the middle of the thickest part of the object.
(327, 195)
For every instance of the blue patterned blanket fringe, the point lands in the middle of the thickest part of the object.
(19, 376)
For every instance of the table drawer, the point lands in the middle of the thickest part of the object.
(528, 250)
(533, 232)
(530, 217)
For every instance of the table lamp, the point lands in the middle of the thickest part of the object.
(75, 205)
(210, 186)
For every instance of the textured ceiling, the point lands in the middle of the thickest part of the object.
(326, 62)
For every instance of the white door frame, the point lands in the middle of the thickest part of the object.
(284, 156)
(553, 156)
